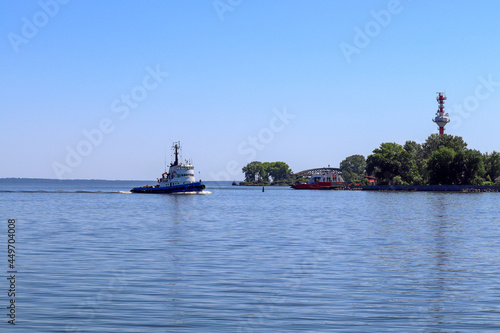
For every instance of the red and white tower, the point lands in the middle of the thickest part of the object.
(441, 118)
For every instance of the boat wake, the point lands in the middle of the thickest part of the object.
(191, 193)
(66, 192)
(95, 192)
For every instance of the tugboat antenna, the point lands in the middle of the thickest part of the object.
(176, 147)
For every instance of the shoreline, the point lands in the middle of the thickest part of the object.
(430, 188)
(403, 188)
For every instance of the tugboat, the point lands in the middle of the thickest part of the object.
(179, 178)
(323, 179)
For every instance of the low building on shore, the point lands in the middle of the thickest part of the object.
(371, 179)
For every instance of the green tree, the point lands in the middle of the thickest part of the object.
(350, 177)
(352, 167)
(261, 171)
(415, 163)
(397, 180)
(492, 164)
(442, 159)
(387, 162)
(409, 172)
(440, 166)
(468, 167)
(252, 171)
(279, 171)
(436, 141)
(263, 175)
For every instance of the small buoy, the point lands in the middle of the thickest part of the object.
(262, 188)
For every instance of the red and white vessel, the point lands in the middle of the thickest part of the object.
(321, 179)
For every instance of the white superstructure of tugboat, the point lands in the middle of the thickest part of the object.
(179, 178)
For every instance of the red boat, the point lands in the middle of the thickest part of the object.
(322, 179)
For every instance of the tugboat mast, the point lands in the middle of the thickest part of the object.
(176, 147)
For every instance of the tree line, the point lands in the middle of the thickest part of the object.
(440, 160)
(266, 172)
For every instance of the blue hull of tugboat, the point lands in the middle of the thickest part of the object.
(193, 187)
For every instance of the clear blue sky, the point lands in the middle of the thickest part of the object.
(69, 68)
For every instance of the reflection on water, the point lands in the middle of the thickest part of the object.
(252, 261)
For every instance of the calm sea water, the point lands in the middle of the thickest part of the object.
(91, 258)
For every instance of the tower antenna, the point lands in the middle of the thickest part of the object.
(176, 148)
(441, 118)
